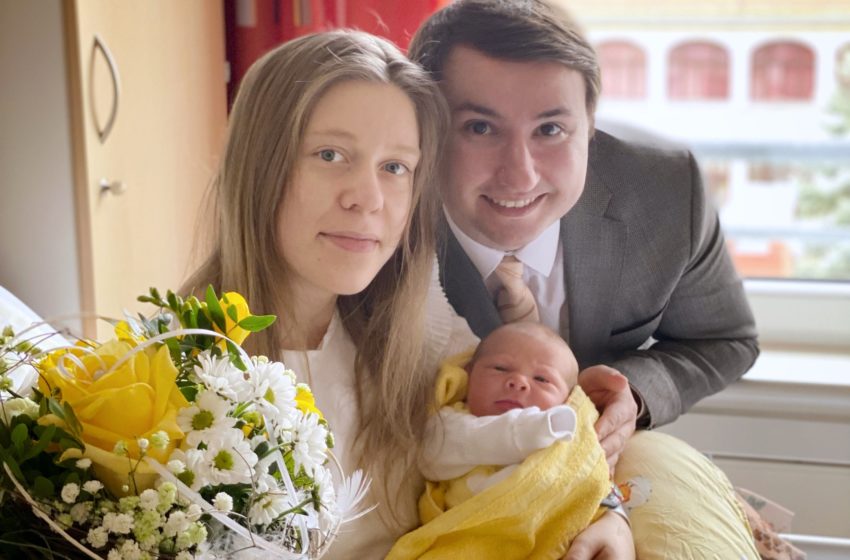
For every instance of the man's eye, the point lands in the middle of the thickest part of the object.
(330, 155)
(396, 168)
(550, 129)
(478, 127)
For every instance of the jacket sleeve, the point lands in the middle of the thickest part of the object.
(456, 442)
(707, 337)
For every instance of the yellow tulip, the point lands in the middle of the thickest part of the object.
(305, 401)
(232, 330)
(134, 401)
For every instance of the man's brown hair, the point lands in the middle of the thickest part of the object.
(513, 30)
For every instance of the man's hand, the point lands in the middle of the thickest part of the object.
(608, 538)
(609, 391)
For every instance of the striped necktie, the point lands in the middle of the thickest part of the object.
(514, 300)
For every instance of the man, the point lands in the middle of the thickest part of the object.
(622, 252)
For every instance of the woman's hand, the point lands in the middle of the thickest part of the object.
(608, 538)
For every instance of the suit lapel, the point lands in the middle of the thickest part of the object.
(594, 248)
(464, 286)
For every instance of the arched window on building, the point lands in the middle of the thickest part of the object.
(698, 70)
(623, 69)
(842, 67)
(783, 70)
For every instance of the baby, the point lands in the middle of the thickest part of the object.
(518, 381)
(502, 482)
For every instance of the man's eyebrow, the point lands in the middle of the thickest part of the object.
(475, 108)
(488, 112)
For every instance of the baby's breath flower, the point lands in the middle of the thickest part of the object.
(120, 448)
(118, 523)
(184, 555)
(143, 444)
(80, 512)
(70, 492)
(128, 504)
(64, 519)
(195, 534)
(167, 494)
(125, 488)
(176, 524)
(194, 511)
(176, 466)
(223, 502)
(146, 526)
(160, 439)
(97, 537)
(93, 486)
(83, 463)
(149, 499)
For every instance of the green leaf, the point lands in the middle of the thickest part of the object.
(20, 434)
(13, 465)
(256, 323)
(69, 443)
(43, 488)
(56, 408)
(42, 443)
(214, 308)
(232, 313)
(71, 419)
(235, 357)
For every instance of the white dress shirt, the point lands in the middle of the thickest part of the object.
(543, 269)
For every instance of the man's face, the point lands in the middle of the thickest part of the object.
(517, 146)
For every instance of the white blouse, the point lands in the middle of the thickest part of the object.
(330, 371)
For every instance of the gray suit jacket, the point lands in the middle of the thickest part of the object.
(643, 257)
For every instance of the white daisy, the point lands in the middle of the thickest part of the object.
(191, 473)
(228, 459)
(310, 444)
(270, 381)
(269, 507)
(206, 417)
(219, 375)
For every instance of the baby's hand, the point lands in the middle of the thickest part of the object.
(562, 422)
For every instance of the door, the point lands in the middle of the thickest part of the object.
(149, 114)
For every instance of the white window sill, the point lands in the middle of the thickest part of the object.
(815, 368)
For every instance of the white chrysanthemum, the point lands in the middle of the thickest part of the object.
(205, 418)
(70, 492)
(228, 459)
(219, 375)
(223, 502)
(97, 537)
(310, 444)
(269, 507)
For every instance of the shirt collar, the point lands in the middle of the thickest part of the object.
(539, 255)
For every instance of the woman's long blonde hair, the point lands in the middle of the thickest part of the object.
(385, 321)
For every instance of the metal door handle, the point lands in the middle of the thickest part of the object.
(103, 132)
(114, 187)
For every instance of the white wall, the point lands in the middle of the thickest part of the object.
(38, 246)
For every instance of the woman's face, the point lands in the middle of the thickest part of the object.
(344, 212)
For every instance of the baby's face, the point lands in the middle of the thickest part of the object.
(519, 369)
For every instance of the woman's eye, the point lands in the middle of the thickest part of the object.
(330, 155)
(550, 129)
(396, 168)
(478, 127)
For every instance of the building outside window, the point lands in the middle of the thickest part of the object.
(625, 69)
(698, 70)
(783, 71)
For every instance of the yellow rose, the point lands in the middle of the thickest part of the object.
(232, 330)
(305, 401)
(134, 401)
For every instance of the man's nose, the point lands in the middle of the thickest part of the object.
(518, 168)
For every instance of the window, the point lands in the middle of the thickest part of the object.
(623, 70)
(698, 70)
(783, 71)
(842, 67)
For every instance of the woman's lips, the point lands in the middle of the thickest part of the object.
(351, 241)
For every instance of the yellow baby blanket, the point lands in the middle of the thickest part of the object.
(534, 513)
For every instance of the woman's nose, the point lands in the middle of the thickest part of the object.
(362, 191)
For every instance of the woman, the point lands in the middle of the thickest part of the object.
(324, 219)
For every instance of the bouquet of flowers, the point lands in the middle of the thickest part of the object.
(166, 441)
